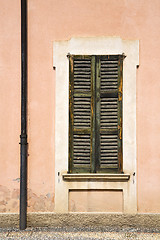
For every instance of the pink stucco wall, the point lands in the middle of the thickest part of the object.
(51, 20)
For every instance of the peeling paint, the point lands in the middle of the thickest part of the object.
(9, 201)
(16, 179)
(48, 195)
(42, 203)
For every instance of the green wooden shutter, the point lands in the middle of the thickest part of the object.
(109, 113)
(81, 114)
(95, 113)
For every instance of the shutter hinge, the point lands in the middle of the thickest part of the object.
(68, 55)
(123, 56)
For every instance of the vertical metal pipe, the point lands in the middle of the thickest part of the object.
(23, 136)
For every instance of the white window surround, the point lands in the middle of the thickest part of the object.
(95, 46)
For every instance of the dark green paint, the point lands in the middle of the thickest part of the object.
(95, 94)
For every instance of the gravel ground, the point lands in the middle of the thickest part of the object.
(79, 234)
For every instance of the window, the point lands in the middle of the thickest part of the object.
(95, 47)
(95, 113)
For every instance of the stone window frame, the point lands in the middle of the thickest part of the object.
(125, 182)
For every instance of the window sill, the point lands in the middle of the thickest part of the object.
(96, 176)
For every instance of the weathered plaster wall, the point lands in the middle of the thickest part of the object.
(9, 104)
(52, 20)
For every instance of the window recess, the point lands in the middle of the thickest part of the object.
(95, 113)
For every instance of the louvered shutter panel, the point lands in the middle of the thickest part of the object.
(109, 113)
(80, 114)
(95, 113)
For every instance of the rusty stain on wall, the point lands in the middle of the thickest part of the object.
(9, 201)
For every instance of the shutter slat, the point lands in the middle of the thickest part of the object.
(103, 62)
(83, 76)
(109, 66)
(108, 77)
(82, 61)
(108, 83)
(110, 69)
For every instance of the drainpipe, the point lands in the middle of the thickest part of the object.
(23, 136)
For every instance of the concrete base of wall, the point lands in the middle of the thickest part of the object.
(117, 221)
